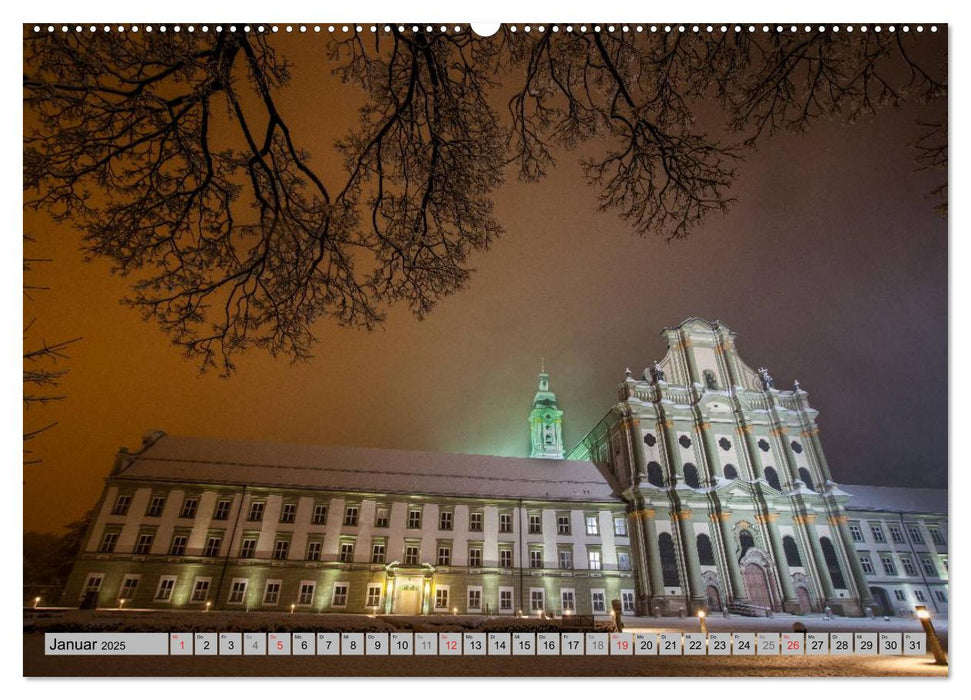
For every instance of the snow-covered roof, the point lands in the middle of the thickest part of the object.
(892, 498)
(368, 470)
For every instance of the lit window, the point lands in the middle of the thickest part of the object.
(320, 515)
(256, 509)
(350, 516)
(200, 590)
(373, 595)
(281, 549)
(593, 525)
(155, 507)
(445, 520)
(620, 526)
(377, 552)
(568, 600)
(128, 587)
(288, 513)
(313, 550)
(166, 585)
(212, 546)
(271, 594)
(593, 558)
(627, 601)
(566, 558)
(505, 599)
(340, 595)
(306, 596)
(414, 518)
(599, 600)
(189, 507)
(411, 554)
(347, 552)
(475, 599)
(381, 515)
(237, 591)
(536, 558)
(441, 597)
(623, 560)
(222, 509)
(536, 599)
(121, 504)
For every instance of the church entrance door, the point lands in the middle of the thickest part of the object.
(757, 586)
(407, 596)
(882, 600)
(805, 601)
(714, 599)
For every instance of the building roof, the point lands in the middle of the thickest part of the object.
(891, 498)
(367, 470)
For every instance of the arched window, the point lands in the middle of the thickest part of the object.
(691, 476)
(792, 551)
(710, 380)
(654, 474)
(832, 563)
(772, 478)
(807, 478)
(669, 560)
(746, 541)
(706, 555)
(730, 472)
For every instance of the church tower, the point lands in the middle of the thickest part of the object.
(545, 422)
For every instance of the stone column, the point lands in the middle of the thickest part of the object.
(812, 434)
(790, 457)
(789, 601)
(652, 555)
(670, 451)
(825, 581)
(736, 584)
(689, 361)
(752, 449)
(856, 569)
(708, 448)
(689, 546)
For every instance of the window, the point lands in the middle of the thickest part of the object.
(773, 478)
(745, 541)
(475, 556)
(441, 597)
(627, 601)
(313, 550)
(306, 595)
(93, 584)
(320, 515)
(535, 524)
(381, 516)
(706, 555)
(730, 472)
(128, 587)
(623, 560)
(536, 599)
(248, 548)
(877, 533)
(505, 522)
(475, 599)
(108, 542)
(535, 558)
(189, 507)
(620, 526)
(222, 509)
(281, 549)
(855, 532)
(377, 552)
(179, 543)
(271, 594)
(200, 590)
(908, 565)
(121, 504)
(144, 544)
(475, 521)
(256, 509)
(941, 596)
(691, 476)
(346, 552)
(444, 555)
(568, 600)
(806, 477)
(655, 476)
(373, 595)
(237, 591)
(563, 524)
(599, 600)
(166, 585)
(928, 566)
(212, 546)
(593, 559)
(832, 563)
(411, 554)
(919, 596)
(593, 525)
(445, 520)
(900, 595)
(936, 536)
(895, 534)
(792, 551)
(350, 516)
(155, 507)
(889, 568)
(866, 564)
(414, 518)
(566, 558)
(669, 561)
(505, 558)
(915, 536)
(340, 595)
(505, 599)
(288, 513)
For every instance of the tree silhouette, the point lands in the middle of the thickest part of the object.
(171, 154)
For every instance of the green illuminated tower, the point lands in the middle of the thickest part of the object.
(545, 422)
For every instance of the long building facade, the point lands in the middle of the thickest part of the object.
(704, 487)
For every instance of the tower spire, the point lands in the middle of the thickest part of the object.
(545, 420)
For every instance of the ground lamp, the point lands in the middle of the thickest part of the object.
(933, 641)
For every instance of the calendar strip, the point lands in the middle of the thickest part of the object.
(486, 644)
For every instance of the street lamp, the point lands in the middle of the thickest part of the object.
(121, 603)
(36, 601)
(933, 641)
(702, 622)
(208, 605)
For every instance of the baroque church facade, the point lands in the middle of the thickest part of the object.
(703, 487)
